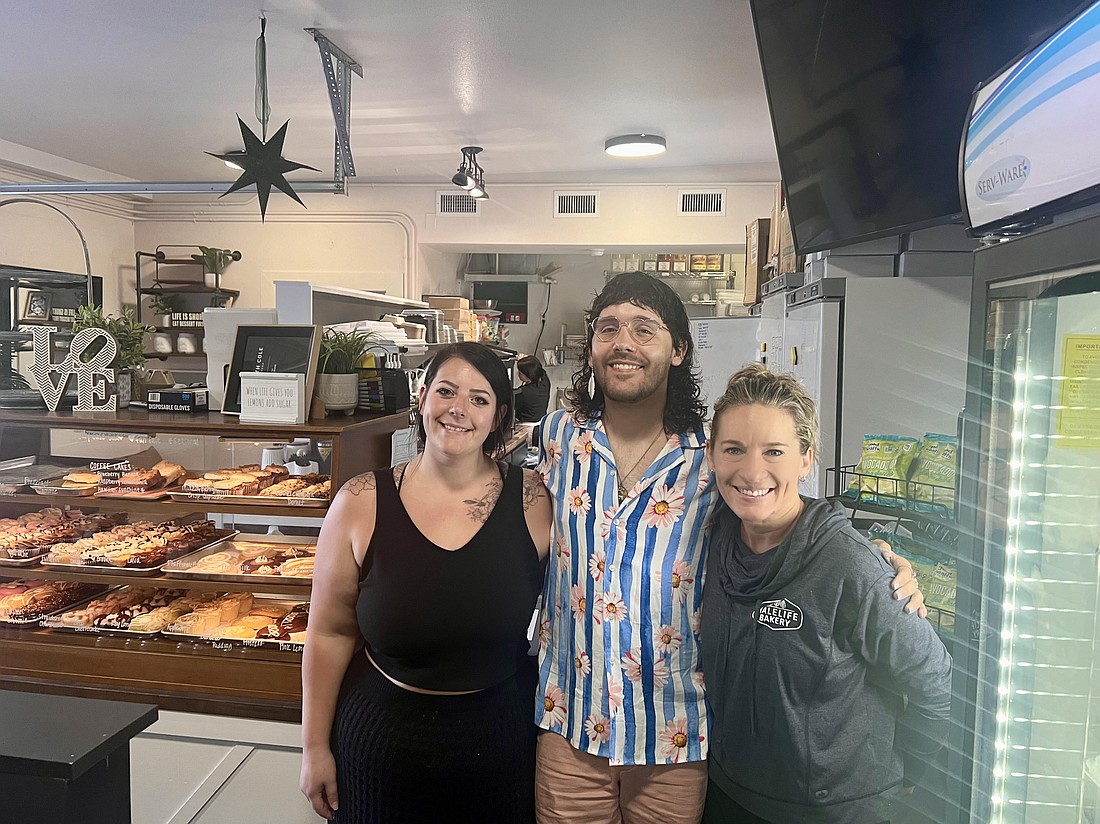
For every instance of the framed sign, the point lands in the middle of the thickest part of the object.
(287, 348)
(37, 306)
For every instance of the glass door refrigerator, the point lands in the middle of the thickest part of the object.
(1028, 665)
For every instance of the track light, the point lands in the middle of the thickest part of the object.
(470, 176)
(634, 145)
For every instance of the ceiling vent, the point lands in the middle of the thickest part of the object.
(455, 203)
(576, 204)
(703, 202)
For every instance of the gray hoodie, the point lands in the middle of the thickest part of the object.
(824, 693)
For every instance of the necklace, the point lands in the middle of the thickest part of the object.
(621, 487)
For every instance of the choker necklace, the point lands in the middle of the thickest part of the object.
(622, 490)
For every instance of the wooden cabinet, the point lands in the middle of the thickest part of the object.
(176, 674)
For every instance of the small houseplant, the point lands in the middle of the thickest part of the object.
(214, 261)
(130, 337)
(337, 385)
(163, 306)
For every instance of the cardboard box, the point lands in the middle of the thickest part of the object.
(789, 260)
(447, 302)
(457, 318)
(757, 236)
(179, 400)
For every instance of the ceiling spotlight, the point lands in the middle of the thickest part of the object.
(634, 145)
(470, 176)
(228, 159)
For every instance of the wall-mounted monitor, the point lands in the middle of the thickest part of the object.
(869, 99)
(1030, 148)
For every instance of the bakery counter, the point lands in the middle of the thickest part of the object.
(190, 676)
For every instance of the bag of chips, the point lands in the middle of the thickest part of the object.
(932, 483)
(883, 468)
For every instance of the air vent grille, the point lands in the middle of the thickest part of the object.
(711, 202)
(576, 204)
(455, 203)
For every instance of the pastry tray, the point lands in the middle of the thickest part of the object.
(53, 621)
(183, 567)
(220, 535)
(187, 497)
(36, 622)
(19, 473)
(23, 562)
(64, 491)
(231, 643)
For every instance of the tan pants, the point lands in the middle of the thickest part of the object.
(573, 786)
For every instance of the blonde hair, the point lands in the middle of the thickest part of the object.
(755, 385)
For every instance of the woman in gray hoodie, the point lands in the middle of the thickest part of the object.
(826, 696)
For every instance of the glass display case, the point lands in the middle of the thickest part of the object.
(165, 550)
(1030, 505)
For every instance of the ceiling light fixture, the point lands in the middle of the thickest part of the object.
(634, 145)
(470, 176)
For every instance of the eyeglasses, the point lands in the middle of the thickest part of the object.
(642, 330)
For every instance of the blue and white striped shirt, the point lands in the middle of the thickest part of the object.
(619, 653)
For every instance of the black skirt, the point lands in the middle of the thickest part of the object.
(407, 758)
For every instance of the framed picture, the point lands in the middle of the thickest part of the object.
(37, 306)
(287, 348)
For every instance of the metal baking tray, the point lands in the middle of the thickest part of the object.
(187, 497)
(17, 474)
(184, 567)
(229, 643)
(34, 622)
(221, 535)
(53, 620)
(23, 562)
(45, 488)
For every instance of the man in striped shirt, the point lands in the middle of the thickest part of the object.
(621, 696)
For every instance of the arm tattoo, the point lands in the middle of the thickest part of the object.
(479, 508)
(360, 483)
(532, 490)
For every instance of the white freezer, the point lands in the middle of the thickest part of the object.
(722, 346)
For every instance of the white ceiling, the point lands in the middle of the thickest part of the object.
(141, 88)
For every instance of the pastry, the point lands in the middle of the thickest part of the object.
(171, 472)
(237, 631)
(141, 479)
(297, 568)
(204, 485)
(83, 478)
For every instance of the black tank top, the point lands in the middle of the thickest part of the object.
(449, 620)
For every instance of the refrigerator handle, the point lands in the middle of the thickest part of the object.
(960, 434)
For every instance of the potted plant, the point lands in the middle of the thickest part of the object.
(337, 384)
(214, 261)
(130, 337)
(163, 306)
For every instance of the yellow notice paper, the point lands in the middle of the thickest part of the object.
(1079, 417)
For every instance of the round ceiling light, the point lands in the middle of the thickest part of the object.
(634, 145)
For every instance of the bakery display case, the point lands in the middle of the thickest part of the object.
(155, 591)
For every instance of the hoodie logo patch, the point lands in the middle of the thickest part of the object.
(779, 615)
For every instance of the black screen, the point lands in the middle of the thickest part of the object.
(869, 100)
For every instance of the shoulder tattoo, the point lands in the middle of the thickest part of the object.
(479, 508)
(360, 483)
(532, 489)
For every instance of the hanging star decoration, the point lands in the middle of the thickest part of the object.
(262, 159)
(262, 164)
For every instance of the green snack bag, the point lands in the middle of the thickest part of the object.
(933, 481)
(884, 465)
(939, 590)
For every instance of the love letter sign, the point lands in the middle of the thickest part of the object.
(94, 379)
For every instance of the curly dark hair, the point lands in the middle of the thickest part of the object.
(684, 409)
(485, 361)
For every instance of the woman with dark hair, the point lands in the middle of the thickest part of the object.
(416, 699)
(534, 396)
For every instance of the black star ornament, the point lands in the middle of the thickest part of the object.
(263, 165)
